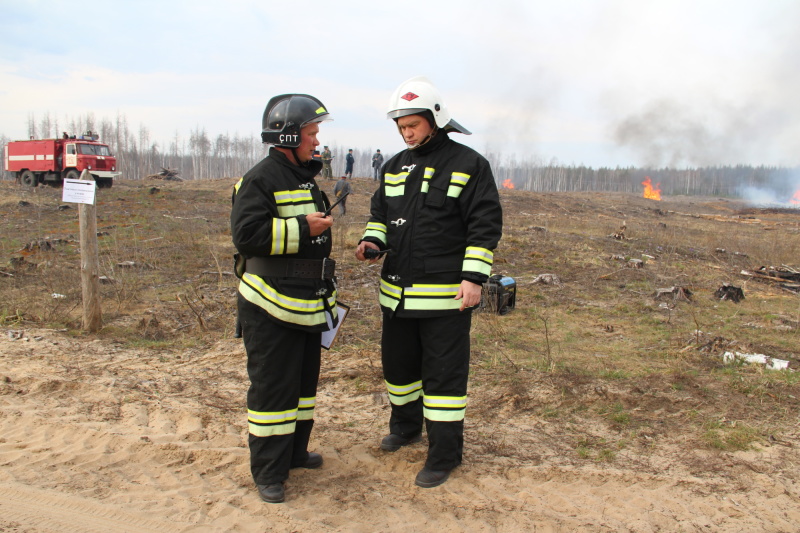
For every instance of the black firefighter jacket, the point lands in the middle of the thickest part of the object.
(268, 219)
(438, 212)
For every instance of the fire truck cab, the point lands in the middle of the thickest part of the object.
(54, 160)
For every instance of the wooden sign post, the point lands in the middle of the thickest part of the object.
(90, 264)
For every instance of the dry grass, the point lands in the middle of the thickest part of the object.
(598, 355)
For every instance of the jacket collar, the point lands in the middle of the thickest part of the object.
(306, 173)
(436, 142)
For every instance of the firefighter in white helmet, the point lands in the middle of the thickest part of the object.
(435, 219)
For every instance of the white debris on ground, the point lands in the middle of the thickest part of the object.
(770, 362)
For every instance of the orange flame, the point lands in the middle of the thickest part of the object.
(653, 193)
(796, 198)
(508, 184)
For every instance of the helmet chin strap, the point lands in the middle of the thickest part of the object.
(430, 136)
(297, 159)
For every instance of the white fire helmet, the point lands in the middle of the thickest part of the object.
(418, 94)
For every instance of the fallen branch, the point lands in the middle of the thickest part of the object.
(761, 276)
(187, 218)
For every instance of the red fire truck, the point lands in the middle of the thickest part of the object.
(53, 160)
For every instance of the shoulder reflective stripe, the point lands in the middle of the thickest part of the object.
(396, 179)
(458, 180)
(404, 394)
(271, 430)
(426, 178)
(478, 260)
(394, 184)
(238, 184)
(376, 230)
(292, 310)
(285, 236)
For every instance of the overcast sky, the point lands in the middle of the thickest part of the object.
(600, 83)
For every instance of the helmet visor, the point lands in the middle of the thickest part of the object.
(397, 113)
(321, 118)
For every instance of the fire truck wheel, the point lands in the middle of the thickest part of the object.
(72, 175)
(28, 178)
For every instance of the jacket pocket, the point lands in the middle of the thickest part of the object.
(435, 197)
(435, 265)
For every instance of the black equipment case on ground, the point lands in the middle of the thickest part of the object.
(499, 294)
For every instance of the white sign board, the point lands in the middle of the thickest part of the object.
(79, 191)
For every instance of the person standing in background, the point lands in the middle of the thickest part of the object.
(377, 163)
(350, 160)
(327, 157)
(341, 190)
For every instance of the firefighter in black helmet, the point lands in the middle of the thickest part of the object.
(287, 294)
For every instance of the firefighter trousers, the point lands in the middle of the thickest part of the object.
(283, 365)
(431, 353)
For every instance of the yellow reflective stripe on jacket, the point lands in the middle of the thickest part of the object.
(305, 409)
(426, 178)
(403, 394)
(293, 310)
(444, 408)
(389, 295)
(394, 184)
(423, 297)
(269, 423)
(478, 260)
(458, 180)
(238, 184)
(285, 236)
(297, 196)
(293, 203)
(376, 230)
(422, 289)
